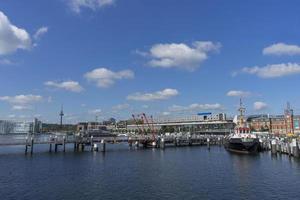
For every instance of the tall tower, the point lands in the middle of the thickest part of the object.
(242, 113)
(289, 119)
(61, 114)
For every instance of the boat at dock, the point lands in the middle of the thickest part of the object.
(242, 140)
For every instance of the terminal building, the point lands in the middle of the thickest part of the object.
(203, 123)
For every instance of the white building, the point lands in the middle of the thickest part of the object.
(17, 127)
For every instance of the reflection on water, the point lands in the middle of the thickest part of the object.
(124, 173)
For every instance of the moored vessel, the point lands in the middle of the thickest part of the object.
(242, 140)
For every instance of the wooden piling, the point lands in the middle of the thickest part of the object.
(162, 143)
(103, 146)
(295, 148)
(64, 144)
(208, 143)
(31, 146)
(273, 147)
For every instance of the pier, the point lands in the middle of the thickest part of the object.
(57, 143)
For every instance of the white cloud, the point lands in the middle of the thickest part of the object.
(22, 99)
(41, 31)
(180, 55)
(95, 111)
(12, 38)
(280, 49)
(165, 113)
(274, 70)
(238, 93)
(11, 116)
(21, 107)
(121, 107)
(72, 86)
(77, 5)
(159, 95)
(5, 61)
(196, 106)
(145, 106)
(105, 78)
(259, 105)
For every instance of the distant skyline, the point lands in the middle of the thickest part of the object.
(112, 58)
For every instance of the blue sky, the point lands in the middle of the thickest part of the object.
(161, 57)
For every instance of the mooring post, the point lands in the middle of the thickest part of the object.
(177, 142)
(273, 147)
(103, 146)
(92, 144)
(278, 147)
(290, 148)
(26, 145)
(55, 145)
(208, 143)
(162, 143)
(75, 146)
(295, 148)
(95, 147)
(31, 146)
(50, 144)
(190, 141)
(64, 143)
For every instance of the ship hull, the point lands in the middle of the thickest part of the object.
(237, 145)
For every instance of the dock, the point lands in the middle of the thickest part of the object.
(57, 143)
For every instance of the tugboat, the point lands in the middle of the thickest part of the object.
(242, 140)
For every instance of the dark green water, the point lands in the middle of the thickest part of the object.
(121, 173)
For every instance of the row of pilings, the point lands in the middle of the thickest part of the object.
(284, 146)
(172, 141)
(53, 141)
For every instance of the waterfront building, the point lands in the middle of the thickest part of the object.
(200, 124)
(259, 123)
(20, 127)
(90, 126)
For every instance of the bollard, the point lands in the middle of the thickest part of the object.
(273, 146)
(103, 146)
(50, 147)
(162, 143)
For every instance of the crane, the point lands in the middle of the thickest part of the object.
(151, 128)
(137, 124)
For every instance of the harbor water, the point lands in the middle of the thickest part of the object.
(123, 173)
